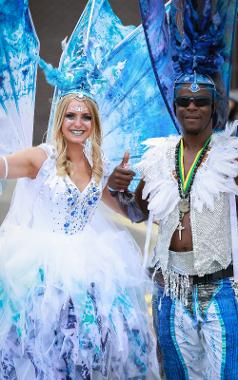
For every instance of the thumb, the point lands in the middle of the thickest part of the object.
(125, 159)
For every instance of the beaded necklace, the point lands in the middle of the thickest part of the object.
(185, 184)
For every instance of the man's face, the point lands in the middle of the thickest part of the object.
(194, 110)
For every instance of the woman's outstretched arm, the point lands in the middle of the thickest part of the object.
(25, 163)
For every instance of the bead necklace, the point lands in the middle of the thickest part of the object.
(185, 184)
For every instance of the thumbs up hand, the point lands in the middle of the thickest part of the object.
(121, 176)
(125, 161)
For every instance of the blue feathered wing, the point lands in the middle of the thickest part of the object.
(154, 16)
(19, 48)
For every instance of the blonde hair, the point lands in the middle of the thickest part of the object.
(64, 165)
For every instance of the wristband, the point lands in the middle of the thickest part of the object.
(111, 189)
(5, 167)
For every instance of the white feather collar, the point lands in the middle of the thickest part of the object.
(215, 175)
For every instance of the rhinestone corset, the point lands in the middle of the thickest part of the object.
(58, 205)
(79, 207)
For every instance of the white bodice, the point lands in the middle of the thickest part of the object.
(53, 203)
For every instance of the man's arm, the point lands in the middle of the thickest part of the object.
(142, 203)
(131, 203)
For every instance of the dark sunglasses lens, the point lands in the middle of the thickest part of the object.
(182, 101)
(199, 101)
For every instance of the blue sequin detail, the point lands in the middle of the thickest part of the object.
(80, 207)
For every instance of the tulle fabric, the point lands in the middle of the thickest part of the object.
(72, 307)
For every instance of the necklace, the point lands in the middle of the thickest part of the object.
(185, 184)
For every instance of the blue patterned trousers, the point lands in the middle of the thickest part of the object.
(198, 341)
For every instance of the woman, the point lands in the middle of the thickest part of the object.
(72, 306)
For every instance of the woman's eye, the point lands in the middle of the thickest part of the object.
(69, 116)
(87, 117)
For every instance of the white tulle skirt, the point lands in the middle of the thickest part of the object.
(72, 307)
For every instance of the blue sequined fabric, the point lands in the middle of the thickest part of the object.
(80, 206)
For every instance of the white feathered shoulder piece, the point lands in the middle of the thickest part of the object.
(157, 170)
(215, 175)
(218, 171)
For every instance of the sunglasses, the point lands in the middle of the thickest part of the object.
(198, 101)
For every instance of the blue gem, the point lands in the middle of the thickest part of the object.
(194, 87)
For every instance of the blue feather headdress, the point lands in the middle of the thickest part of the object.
(84, 79)
(198, 36)
(202, 36)
(83, 58)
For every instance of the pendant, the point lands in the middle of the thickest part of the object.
(184, 206)
(180, 228)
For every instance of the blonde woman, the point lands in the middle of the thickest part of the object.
(71, 282)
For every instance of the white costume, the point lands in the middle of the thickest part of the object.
(72, 289)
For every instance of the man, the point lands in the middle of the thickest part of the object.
(188, 184)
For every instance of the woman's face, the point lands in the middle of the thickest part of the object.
(77, 122)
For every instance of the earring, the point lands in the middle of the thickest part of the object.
(87, 149)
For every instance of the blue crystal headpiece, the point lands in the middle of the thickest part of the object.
(196, 81)
(84, 79)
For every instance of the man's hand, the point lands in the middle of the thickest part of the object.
(121, 176)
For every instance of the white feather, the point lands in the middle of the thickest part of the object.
(216, 174)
